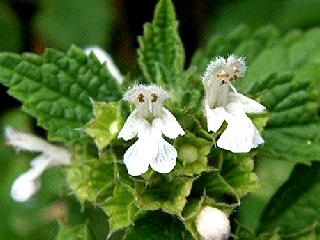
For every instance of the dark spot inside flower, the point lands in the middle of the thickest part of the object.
(223, 82)
(154, 97)
(140, 97)
(233, 78)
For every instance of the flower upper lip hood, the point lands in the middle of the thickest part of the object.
(149, 121)
(221, 105)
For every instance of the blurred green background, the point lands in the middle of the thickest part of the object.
(32, 26)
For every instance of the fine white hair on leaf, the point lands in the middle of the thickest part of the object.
(213, 224)
(105, 57)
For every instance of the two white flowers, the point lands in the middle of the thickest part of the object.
(149, 120)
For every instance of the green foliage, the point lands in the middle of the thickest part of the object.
(161, 53)
(232, 175)
(294, 115)
(57, 88)
(241, 41)
(106, 124)
(121, 207)
(283, 72)
(157, 225)
(81, 232)
(159, 192)
(295, 206)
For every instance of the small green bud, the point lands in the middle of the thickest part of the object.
(188, 153)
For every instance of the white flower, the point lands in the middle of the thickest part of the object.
(28, 183)
(149, 121)
(222, 104)
(105, 57)
(213, 224)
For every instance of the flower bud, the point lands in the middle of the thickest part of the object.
(213, 224)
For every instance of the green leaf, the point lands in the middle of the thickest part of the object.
(162, 193)
(83, 221)
(246, 234)
(81, 232)
(89, 178)
(105, 182)
(121, 207)
(106, 124)
(296, 204)
(158, 225)
(93, 179)
(232, 177)
(288, 70)
(293, 128)
(297, 53)
(272, 173)
(161, 53)
(56, 88)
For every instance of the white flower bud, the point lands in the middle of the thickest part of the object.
(213, 224)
